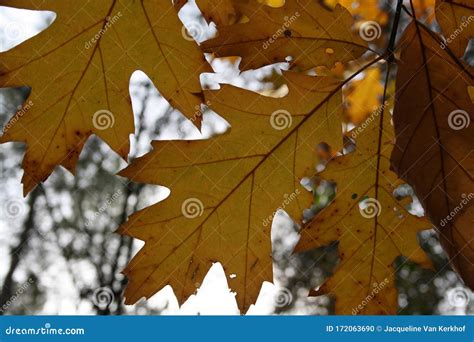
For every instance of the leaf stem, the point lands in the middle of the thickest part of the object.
(393, 34)
(390, 59)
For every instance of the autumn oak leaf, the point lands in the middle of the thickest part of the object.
(225, 190)
(434, 153)
(228, 12)
(456, 18)
(308, 32)
(373, 227)
(222, 12)
(79, 70)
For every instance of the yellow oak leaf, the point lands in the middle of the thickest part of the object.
(308, 32)
(79, 71)
(220, 12)
(226, 190)
(365, 10)
(372, 227)
(456, 18)
(224, 12)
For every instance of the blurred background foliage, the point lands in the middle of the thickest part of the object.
(58, 249)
